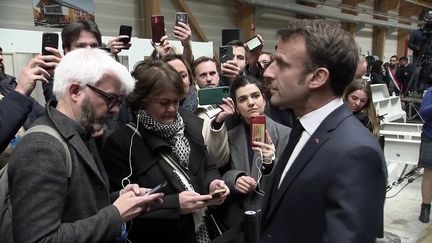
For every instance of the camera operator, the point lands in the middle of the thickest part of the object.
(420, 42)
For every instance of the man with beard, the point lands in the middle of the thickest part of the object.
(17, 108)
(87, 85)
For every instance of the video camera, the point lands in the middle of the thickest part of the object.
(427, 27)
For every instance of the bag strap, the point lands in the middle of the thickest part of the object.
(53, 132)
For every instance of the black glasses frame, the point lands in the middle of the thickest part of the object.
(110, 99)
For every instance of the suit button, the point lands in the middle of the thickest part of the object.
(268, 235)
(100, 187)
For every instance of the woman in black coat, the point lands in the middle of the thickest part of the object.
(163, 145)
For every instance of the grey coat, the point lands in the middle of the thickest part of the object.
(239, 166)
(46, 206)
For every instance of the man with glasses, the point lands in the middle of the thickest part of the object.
(87, 85)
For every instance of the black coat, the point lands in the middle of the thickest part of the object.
(164, 223)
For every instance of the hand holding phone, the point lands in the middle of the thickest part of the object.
(157, 188)
(125, 30)
(49, 40)
(181, 17)
(258, 129)
(254, 44)
(218, 193)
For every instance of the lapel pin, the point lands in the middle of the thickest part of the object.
(316, 140)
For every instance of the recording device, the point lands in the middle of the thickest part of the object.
(157, 189)
(253, 43)
(258, 129)
(230, 35)
(213, 96)
(427, 27)
(181, 17)
(49, 40)
(125, 30)
(217, 193)
(158, 28)
(226, 53)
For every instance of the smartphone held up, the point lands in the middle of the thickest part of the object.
(181, 17)
(258, 129)
(158, 28)
(125, 30)
(49, 40)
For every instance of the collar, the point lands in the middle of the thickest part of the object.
(65, 123)
(313, 119)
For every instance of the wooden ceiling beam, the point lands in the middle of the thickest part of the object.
(196, 28)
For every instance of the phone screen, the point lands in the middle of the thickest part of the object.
(158, 28)
(181, 17)
(253, 43)
(258, 128)
(49, 40)
(157, 188)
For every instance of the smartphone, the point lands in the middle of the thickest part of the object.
(217, 193)
(158, 28)
(157, 189)
(226, 53)
(213, 96)
(181, 17)
(258, 129)
(254, 43)
(49, 40)
(125, 30)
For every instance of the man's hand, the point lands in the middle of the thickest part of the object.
(183, 33)
(216, 185)
(116, 44)
(130, 205)
(230, 70)
(227, 110)
(34, 71)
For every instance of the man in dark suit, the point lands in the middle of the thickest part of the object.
(78, 208)
(331, 186)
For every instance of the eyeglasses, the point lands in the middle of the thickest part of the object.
(394, 60)
(110, 99)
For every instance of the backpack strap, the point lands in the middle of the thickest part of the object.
(53, 132)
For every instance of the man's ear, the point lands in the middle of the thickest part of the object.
(75, 91)
(320, 78)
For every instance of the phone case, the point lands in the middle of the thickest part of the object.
(158, 28)
(257, 128)
(49, 40)
(225, 53)
(211, 96)
(253, 43)
(181, 17)
(125, 30)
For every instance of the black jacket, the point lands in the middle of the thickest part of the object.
(164, 223)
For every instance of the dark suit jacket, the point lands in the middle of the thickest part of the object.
(47, 207)
(164, 224)
(333, 192)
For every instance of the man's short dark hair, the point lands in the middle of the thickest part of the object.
(72, 31)
(328, 46)
(404, 58)
(202, 59)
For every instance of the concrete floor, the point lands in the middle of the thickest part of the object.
(401, 213)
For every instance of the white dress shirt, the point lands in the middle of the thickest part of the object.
(310, 123)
